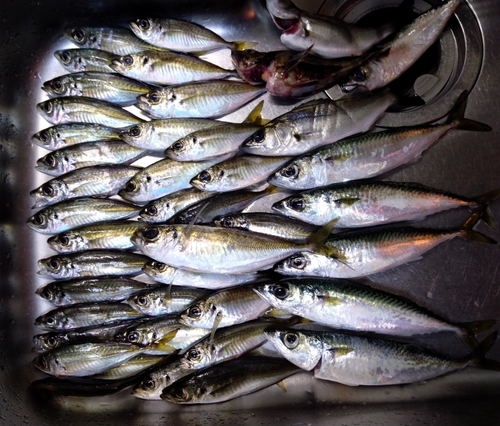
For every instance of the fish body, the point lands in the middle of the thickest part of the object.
(215, 250)
(166, 274)
(167, 68)
(130, 368)
(79, 109)
(92, 263)
(113, 234)
(356, 360)
(108, 87)
(229, 380)
(317, 123)
(198, 100)
(119, 41)
(402, 50)
(80, 60)
(237, 173)
(63, 135)
(86, 290)
(94, 181)
(77, 212)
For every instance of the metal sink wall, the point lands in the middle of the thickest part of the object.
(459, 280)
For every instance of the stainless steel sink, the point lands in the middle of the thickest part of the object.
(459, 280)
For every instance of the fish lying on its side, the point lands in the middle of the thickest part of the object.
(80, 60)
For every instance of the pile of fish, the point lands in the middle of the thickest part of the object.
(165, 282)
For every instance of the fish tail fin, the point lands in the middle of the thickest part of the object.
(244, 45)
(470, 329)
(255, 116)
(480, 352)
(317, 240)
(469, 234)
(483, 201)
(457, 114)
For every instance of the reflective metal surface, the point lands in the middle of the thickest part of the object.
(459, 280)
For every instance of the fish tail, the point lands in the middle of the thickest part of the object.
(470, 329)
(480, 352)
(457, 114)
(483, 201)
(469, 234)
(244, 45)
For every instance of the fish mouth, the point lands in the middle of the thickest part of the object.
(289, 26)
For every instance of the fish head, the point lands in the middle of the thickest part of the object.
(161, 98)
(151, 386)
(138, 188)
(53, 164)
(61, 86)
(186, 146)
(49, 193)
(139, 135)
(153, 240)
(199, 356)
(68, 242)
(45, 221)
(55, 319)
(57, 267)
(304, 264)
(46, 363)
(269, 139)
(47, 138)
(211, 179)
(252, 66)
(298, 174)
(283, 9)
(201, 314)
(370, 76)
(143, 28)
(184, 392)
(49, 341)
(144, 302)
(284, 295)
(305, 206)
(51, 110)
(152, 212)
(50, 292)
(128, 63)
(300, 348)
(70, 59)
(139, 336)
(159, 271)
(83, 37)
(237, 221)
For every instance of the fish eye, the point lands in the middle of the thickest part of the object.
(298, 262)
(55, 263)
(47, 107)
(46, 294)
(291, 340)
(43, 136)
(38, 219)
(50, 320)
(359, 74)
(151, 233)
(290, 171)
(127, 60)
(51, 342)
(47, 189)
(154, 97)
(135, 131)
(144, 24)
(281, 291)
(58, 85)
(50, 161)
(179, 393)
(297, 204)
(258, 136)
(148, 384)
(142, 300)
(79, 35)
(204, 177)
(63, 240)
(161, 267)
(193, 354)
(42, 363)
(194, 311)
(177, 146)
(130, 186)
(151, 210)
(228, 222)
(133, 336)
(65, 56)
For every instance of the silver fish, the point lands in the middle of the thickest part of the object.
(163, 177)
(113, 234)
(356, 360)
(131, 367)
(85, 290)
(74, 157)
(166, 274)
(229, 380)
(165, 300)
(85, 359)
(79, 109)
(79, 60)
(95, 181)
(401, 51)
(64, 135)
(77, 212)
(168, 68)
(237, 173)
(120, 41)
(91, 263)
(108, 87)
(201, 99)
(317, 123)
(181, 36)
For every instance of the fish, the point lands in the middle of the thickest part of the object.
(70, 214)
(402, 50)
(86, 315)
(80, 60)
(85, 359)
(114, 234)
(98, 153)
(79, 109)
(91, 263)
(162, 209)
(345, 305)
(244, 171)
(229, 380)
(214, 250)
(354, 205)
(93, 181)
(362, 361)
(109, 87)
(224, 308)
(162, 178)
(207, 99)
(181, 36)
(289, 74)
(165, 274)
(168, 68)
(329, 37)
(131, 367)
(63, 135)
(165, 300)
(159, 134)
(371, 154)
(368, 251)
(120, 41)
(317, 123)
(86, 290)
(272, 225)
